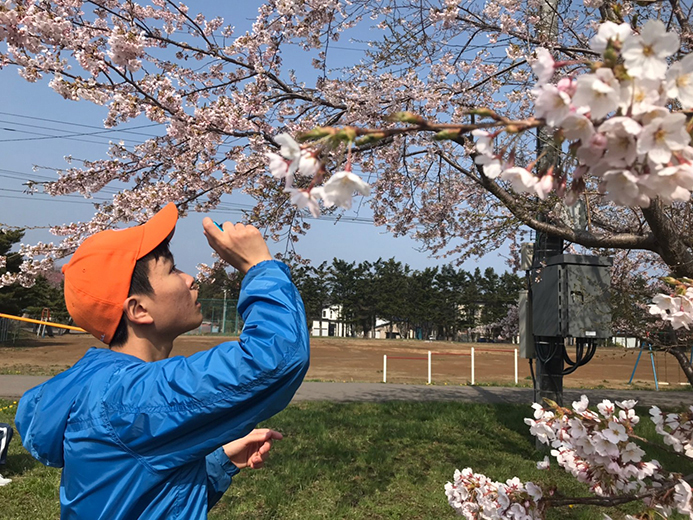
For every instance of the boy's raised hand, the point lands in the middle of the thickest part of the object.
(240, 245)
(253, 449)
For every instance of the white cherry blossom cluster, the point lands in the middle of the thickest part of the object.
(615, 121)
(126, 48)
(475, 496)
(676, 429)
(596, 448)
(293, 160)
(677, 309)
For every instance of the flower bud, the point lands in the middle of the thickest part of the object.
(447, 134)
(610, 56)
(349, 134)
(669, 280)
(484, 112)
(316, 133)
(408, 117)
(370, 138)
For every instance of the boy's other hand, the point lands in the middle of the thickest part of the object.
(240, 245)
(253, 449)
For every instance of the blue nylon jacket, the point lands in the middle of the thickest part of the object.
(143, 440)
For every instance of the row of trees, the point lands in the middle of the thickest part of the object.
(440, 301)
(434, 301)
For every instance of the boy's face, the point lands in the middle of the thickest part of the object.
(174, 304)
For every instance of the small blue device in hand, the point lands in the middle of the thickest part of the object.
(218, 225)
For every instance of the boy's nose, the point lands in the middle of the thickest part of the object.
(190, 280)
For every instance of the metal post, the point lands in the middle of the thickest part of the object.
(654, 370)
(642, 345)
(549, 369)
(384, 368)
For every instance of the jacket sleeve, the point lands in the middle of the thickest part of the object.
(179, 410)
(220, 471)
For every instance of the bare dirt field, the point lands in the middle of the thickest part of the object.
(350, 359)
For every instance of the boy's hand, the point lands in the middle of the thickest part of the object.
(253, 449)
(240, 245)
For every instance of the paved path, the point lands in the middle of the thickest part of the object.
(14, 386)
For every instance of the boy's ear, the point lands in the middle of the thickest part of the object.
(135, 310)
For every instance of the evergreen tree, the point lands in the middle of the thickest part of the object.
(15, 299)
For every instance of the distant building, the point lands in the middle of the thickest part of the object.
(331, 324)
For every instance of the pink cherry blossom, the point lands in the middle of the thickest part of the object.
(521, 180)
(662, 136)
(622, 187)
(543, 66)
(492, 167)
(679, 81)
(577, 127)
(339, 189)
(645, 54)
(609, 31)
(551, 104)
(304, 199)
(544, 464)
(598, 92)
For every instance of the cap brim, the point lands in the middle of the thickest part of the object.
(157, 228)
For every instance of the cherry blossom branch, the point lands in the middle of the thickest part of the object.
(686, 31)
(485, 26)
(584, 238)
(662, 447)
(610, 501)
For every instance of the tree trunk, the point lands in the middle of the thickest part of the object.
(680, 355)
(669, 245)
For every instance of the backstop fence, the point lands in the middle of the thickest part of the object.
(219, 317)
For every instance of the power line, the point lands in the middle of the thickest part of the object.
(221, 209)
(65, 136)
(10, 190)
(50, 136)
(127, 131)
(57, 137)
(35, 197)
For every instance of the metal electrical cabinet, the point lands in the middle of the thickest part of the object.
(570, 297)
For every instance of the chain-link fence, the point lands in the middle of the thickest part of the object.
(219, 317)
(8, 330)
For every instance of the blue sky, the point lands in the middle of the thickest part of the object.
(32, 114)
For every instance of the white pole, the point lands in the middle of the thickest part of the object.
(384, 368)
(429, 367)
(223, 317)
(515, 366)
(472, 365)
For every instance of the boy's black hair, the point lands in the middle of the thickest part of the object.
(139, 285)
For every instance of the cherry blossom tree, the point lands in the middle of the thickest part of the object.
(467, 124)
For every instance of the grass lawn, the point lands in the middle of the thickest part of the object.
(355, 461)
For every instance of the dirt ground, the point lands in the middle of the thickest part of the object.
(347, 359)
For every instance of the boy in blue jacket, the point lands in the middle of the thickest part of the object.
(142, 435)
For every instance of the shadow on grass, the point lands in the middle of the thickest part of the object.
(18, 464)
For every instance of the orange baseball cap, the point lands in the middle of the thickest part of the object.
(98, 276)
